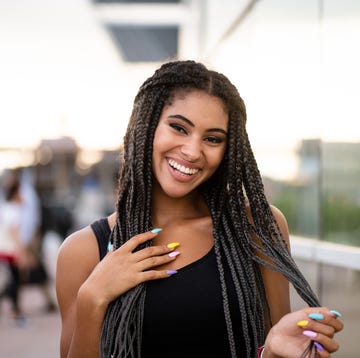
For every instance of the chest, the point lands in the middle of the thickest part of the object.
(195, 240)
(184, 315)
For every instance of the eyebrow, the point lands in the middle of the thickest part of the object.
(181, 117)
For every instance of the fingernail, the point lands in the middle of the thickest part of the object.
(316, 316)
(156, 230)
(174, 253)
(110, 246)
(310, 334)
(318, 346)
(335, 313)
(303, 323)
(172, 245)
(171, 272)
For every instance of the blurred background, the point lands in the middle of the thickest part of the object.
(69, 70)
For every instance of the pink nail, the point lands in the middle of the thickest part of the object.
(174, 253)
(310, 334)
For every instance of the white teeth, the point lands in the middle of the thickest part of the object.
(182, 169)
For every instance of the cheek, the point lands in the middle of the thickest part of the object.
(216, 158)
(157, 140)
(161, 144)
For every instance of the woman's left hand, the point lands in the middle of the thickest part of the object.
(291, 336)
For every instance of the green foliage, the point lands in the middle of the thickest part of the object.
(341, 221)
(337, 220)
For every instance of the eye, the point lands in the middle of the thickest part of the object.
(178, 127)
(214, 139)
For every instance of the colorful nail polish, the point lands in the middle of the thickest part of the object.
(156, 230)
(335, 313)
(316, 316)
(303, 323)
(310, 334)
(110, 246)
(318, 346)
(171, 272)
(174, 253)
(172, 245)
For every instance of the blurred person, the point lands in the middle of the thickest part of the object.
(31, 217)
(12, 248)
(194, 262)
(32, 238)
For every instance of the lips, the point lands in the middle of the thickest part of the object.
(182, 169)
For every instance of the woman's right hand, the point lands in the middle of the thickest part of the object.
(124, 268)
(293, 333)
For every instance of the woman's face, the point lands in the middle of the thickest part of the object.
(189, 142)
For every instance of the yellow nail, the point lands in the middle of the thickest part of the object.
(172, 245)
(303, 323)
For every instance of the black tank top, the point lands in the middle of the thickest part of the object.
(183, 316)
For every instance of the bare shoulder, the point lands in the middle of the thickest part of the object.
(80, 245)
(77, 257)
(279, 216)
(276, 285)
(280, 219)
(282, 222)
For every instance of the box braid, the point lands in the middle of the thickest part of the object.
(241, 244)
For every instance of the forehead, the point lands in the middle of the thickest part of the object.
(197, 104)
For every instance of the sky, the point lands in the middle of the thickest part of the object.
(61, 75)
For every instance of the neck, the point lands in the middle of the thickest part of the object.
(165, 209)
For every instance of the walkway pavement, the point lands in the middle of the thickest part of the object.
(338, 288)
(38, 337)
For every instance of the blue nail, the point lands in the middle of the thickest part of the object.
(110, 246)
(156, 230)
(171, 272)
(316, 316)
(335, 313)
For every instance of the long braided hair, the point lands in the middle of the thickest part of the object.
(234, 187)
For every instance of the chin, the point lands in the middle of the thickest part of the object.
(177, 192)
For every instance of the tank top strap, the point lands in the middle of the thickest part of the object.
(102, 232)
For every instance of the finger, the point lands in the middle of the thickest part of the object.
(150, 252)
(156, 275)
(327, 329)
(154, 261)
(308, 324)
(139, 239)
(339, 325)
(327, 344)
(327, 317)
(320, 351)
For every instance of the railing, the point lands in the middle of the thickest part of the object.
(325, 252)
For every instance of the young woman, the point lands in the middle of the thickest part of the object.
(200, 263)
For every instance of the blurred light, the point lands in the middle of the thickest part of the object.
(87, 158)
(44, 155)
(10, 159)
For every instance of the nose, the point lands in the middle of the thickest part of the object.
(191, 149)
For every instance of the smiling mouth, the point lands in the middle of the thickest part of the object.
(182, 169)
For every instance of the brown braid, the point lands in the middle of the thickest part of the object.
(236, 182)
